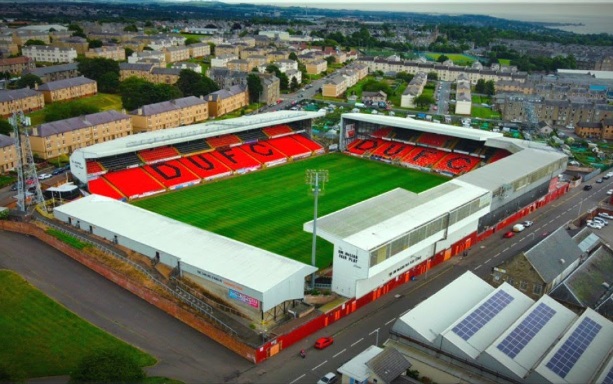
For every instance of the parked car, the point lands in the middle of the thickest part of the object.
(594, 225)
(587, 187)
(600, 220)
(329, 378)
(599, 180)
(527, 223)
(324, 342)
(44, 176)
(14, 187)
(518, 228)
(610, 192)
(605, 215)
(508, 235)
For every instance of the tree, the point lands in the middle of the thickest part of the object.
(212, 45)
(330, 60)
(34, 42)
(293, 56)
(432, 76)
(28, 80)
(136, 92)
(422, 101)
(191, 83)
(404, 76)
(95, 43)
(376, 86)
(254, 87)
(77, 30)
(5, 128)
(97, 68)
(129, 51)
(293, 84)
(442, 59)
(480, 86)
(61, 111)
(192, 40)
(108, 366)
(490, 88)
(283, 82)
(130, 28)
(108, 82)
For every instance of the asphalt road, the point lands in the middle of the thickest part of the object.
(182, 352)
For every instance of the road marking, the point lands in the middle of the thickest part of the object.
(506, 249)
(376, 330)
(319, 365)
(340, 352)
(488, 260)
(390, 321)
(357, 342)
(496, 255)
(522, 239)
(479, 266)
(303, 375)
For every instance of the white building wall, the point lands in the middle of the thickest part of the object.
(348, 269)
(78, 167)
(463, 107)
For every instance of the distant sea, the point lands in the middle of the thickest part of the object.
(587, 24)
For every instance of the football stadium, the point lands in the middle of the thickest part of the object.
(226, 203)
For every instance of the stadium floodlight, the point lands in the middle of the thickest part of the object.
(316, 179)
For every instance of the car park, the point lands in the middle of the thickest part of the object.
(508, 235)
(324, 342)
(605, 215)
(329, 378)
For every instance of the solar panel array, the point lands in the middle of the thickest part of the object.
(525, 331)
(482, 315)
(565, 358)
(609, 378)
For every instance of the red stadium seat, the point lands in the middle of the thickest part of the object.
(310, 144)
(290, 147)
(382, 132)
(499, 154)
(134, 182)
(434, 140)
(264, 153)
(155, 155)
(392, 150)
(278, 130)
(206, 166)
(223, 141)
(362, 146)
(236, 159)
(424, 157)
(172, 174)
(94, 168)
(457, 164)
(102, 187)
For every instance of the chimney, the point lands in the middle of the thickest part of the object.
(140, 111)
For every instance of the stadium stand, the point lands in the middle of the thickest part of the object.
(363, 146)
(134, 182)
(392, 150)
(206, 166)
(436, 141)
(456, 164)
(119, 162)
(496, 155)
(223, 141)
(406, 135)
(172, 174)
(382, 132)
(278, 130)
(102, 187)
(251, 136)
(264, 153)
(94, 168)
(237, 159)
(468, 146)
(423, 157)
(155, 155)
(190, 147)
(290, 147)
(310, 144)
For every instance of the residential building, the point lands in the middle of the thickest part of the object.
(79, 44)
(463, 98)
(276, 56)
(187, 65)
(127, 70)
(294, 74)
(148, 57)
(256, 61)
(334, 87)
(316, 67)
(164, 75)
(414, 89)
(115, 52)
(239, 65)
(26, 100)
(16, 65)
(226, 49)
(180, 53)
(111, 37)
(601, 130)
(374, 97)
(286, 64)
(375, 365)
(227, 100)
(8, 153)
(271, 88)
(275, 35)
(201, 31)
(225, 78)
(21, 37)
(199, 50)
(221, 61)
(62, 137)
(169, 114)
(245, 53)
(261, 41)
(538, 270)
(514, 86)
(68, 89)
(54, 72)
(604, 64)
(248, 41)
(46, 54)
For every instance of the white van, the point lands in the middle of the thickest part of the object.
(518, 228)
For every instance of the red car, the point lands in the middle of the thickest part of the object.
(508, 234)
(324, 342)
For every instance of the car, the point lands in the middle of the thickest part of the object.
(44, 176)
(600, 220)
(587, 187)
(605, 215)
(599, 180)
(14, 187)
(594, 225)
(606, 177)
(508, 235)
(610, 192)
(329, 378)
(324, 342)
(527, 223)
(58, 171)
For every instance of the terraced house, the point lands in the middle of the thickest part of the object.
(169, 114)
(8, 153)
(61, 137)
(45, 54)
(25, 99)
(68, 89)
(115, 52)
(227, 100)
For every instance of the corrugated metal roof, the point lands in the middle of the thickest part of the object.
(249, 266)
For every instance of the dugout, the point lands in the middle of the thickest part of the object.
(260, 285)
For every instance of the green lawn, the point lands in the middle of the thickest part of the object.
(504, 61)
(268, 208)
(104, 101)
(457, 58)
(484, 113)
(40, 337)
(481, 99)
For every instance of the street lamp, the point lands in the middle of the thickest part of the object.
(315, 178)
(377, 336)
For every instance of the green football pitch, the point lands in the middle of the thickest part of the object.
(267, 208)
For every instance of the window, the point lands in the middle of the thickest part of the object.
(523, 285)
(538, 289)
